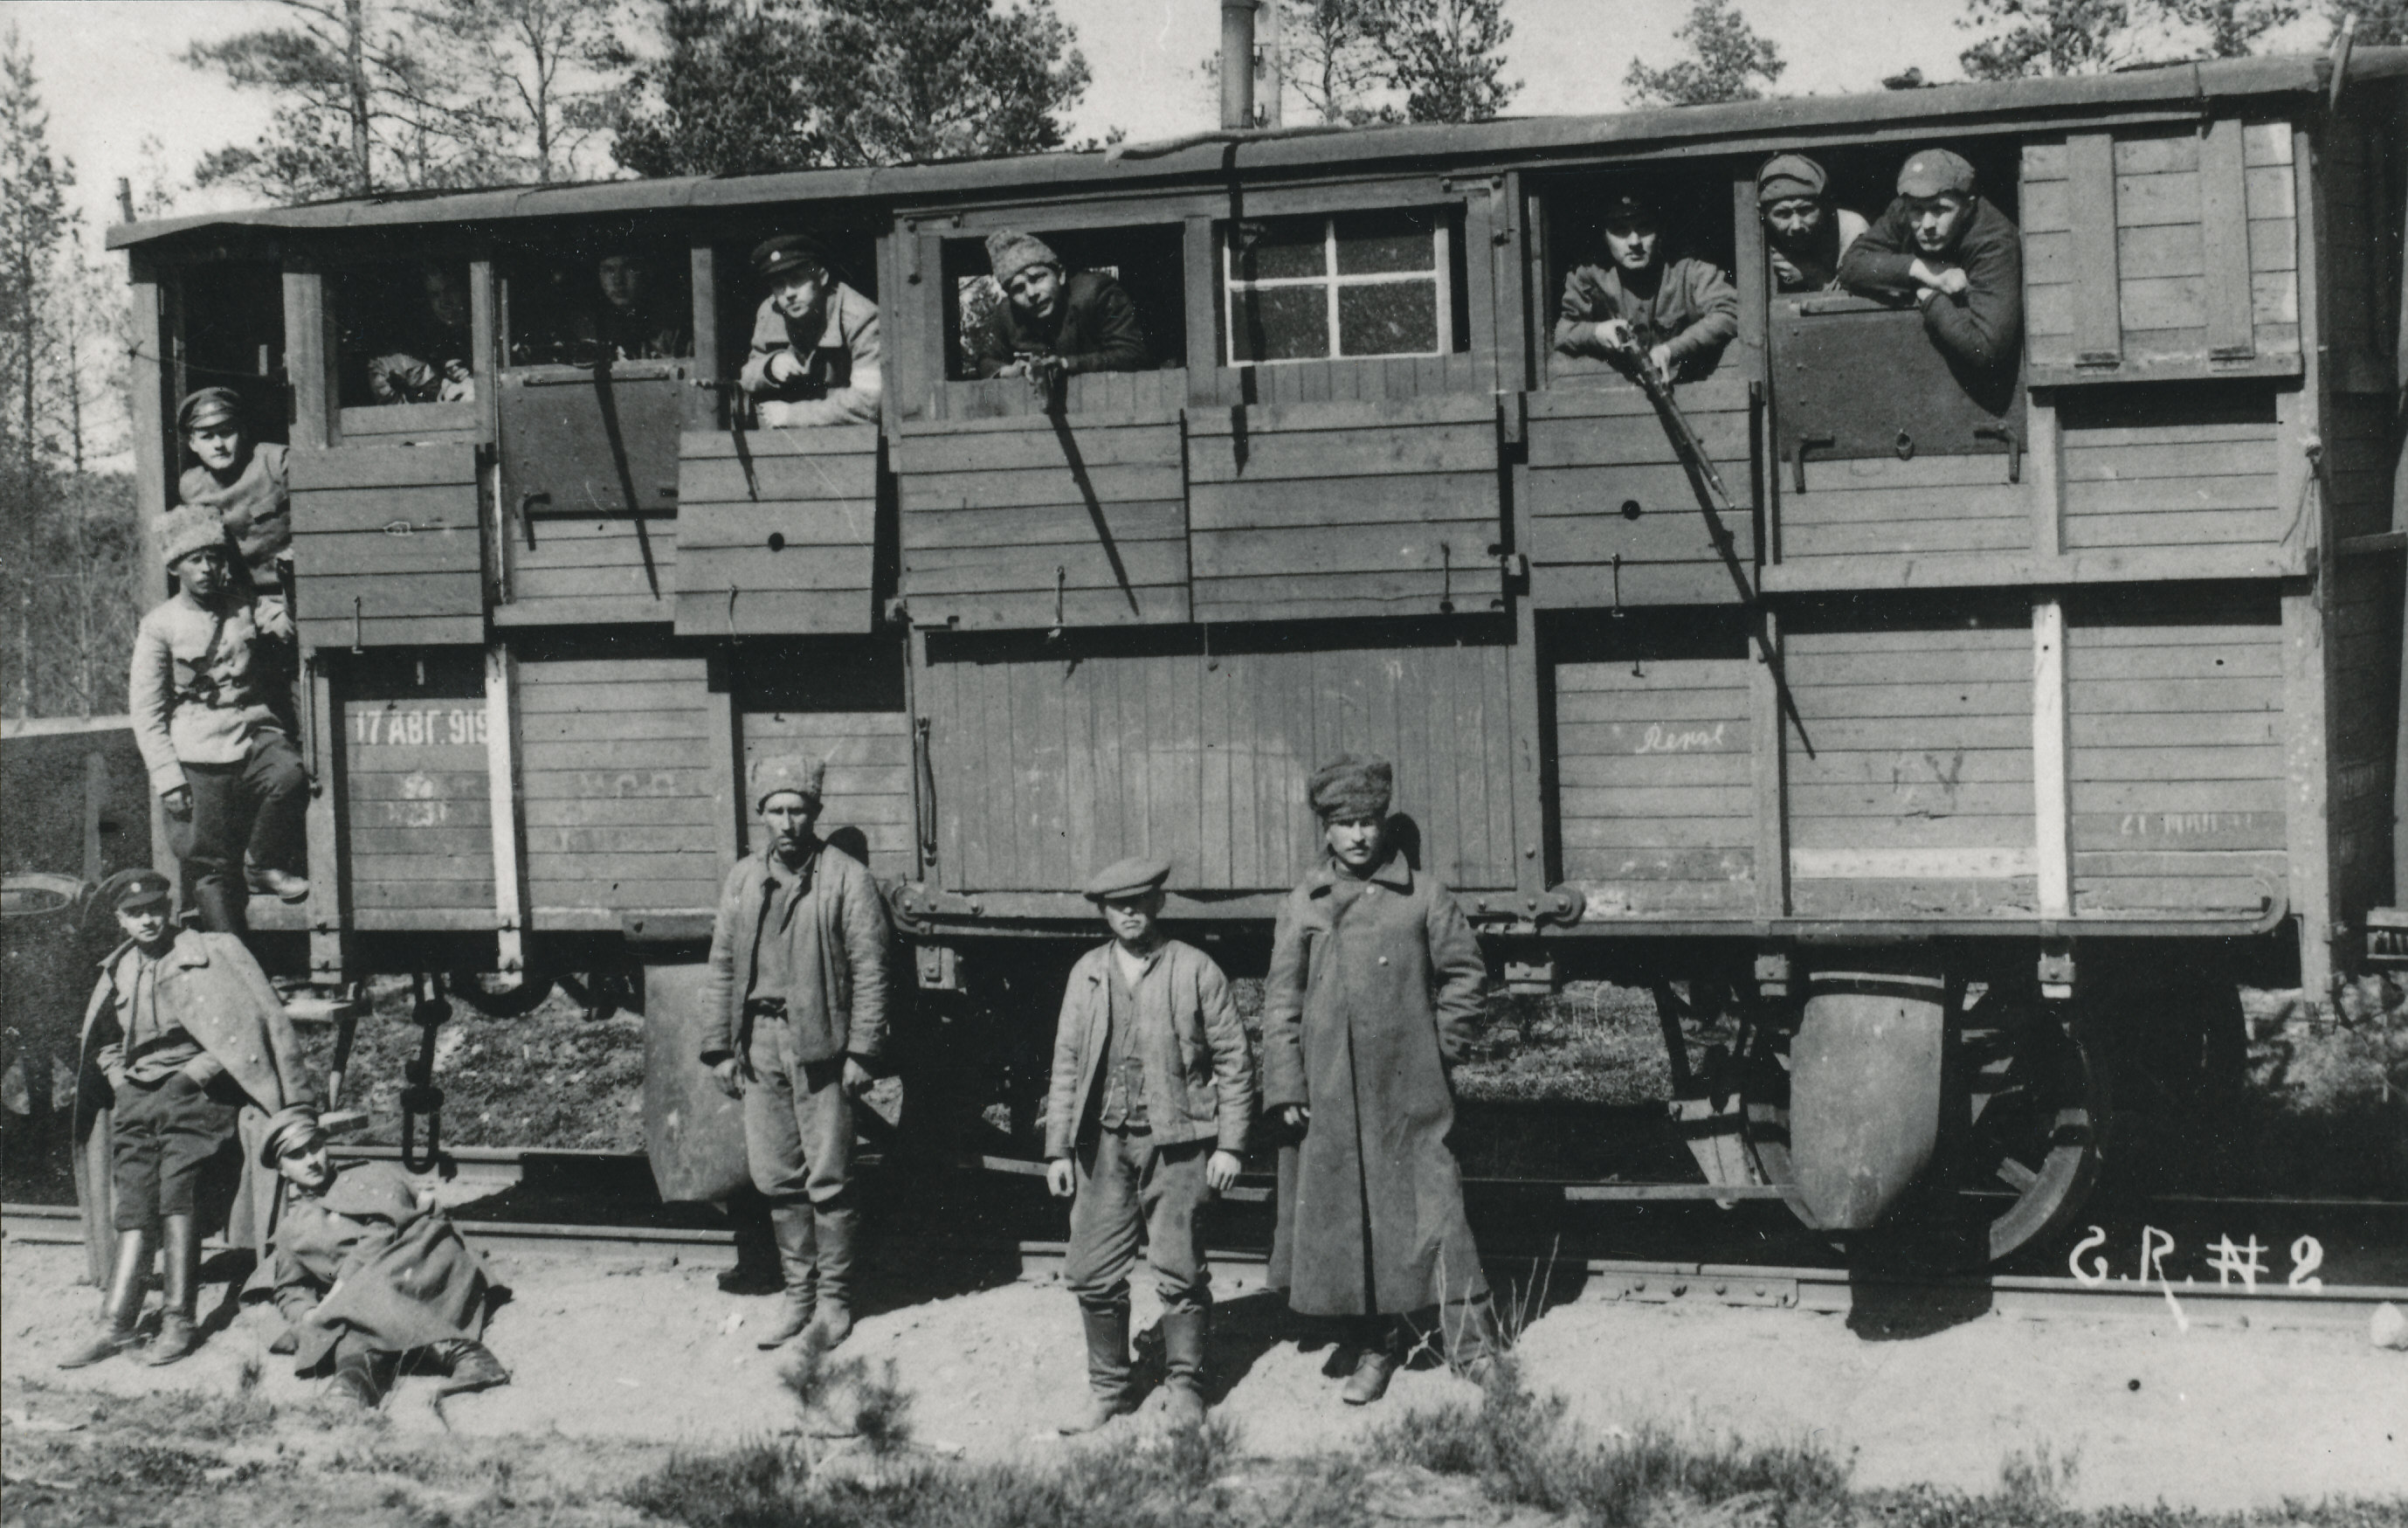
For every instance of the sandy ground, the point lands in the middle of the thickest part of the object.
(650, 1348)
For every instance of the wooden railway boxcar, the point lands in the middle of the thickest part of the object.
(2024, 691)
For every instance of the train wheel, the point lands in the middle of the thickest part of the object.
(2030, 1112)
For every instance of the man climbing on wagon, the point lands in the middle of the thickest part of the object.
(1805, 235)
(193, 1053)
(242, 481)
(1151, 1096)
(1677, 316)
(815, 358)
(1944, 246)
(210, 664)
(1052, 323)
(369, 1274)
(794, 1017)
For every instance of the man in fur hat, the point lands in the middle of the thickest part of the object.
(368, 1273)
(210, 664)
(815, 348)
(242, 480)
(794, 1018)
(1052, 323)
(1374, 985)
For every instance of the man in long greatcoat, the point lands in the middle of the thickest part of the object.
(1374, 985)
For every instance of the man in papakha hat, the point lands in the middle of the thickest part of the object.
(240, 480)
(1374, 985)
(369, 1274)
(1677, 315)
(1146, 1118)
(1051, 323)
(193, 1053)
(815, 356)
(211, 671)
(1944, 245)
(794, 1021)
(1805, 235)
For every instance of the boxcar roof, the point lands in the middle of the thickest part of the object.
(1212, 156)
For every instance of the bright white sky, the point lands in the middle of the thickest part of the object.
(110, 74)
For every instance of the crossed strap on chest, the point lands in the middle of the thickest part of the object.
(193, 681)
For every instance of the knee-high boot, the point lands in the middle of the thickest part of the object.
(791, 1222)
(1183, 1355)
(1108, 1366)
(121, 1304)
(839, 1225)
(180, 1248)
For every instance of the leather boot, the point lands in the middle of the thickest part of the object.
(180, 1257)
(121, 1304)
(1378, 1365)
(1108, 1367)
(472, 1367)
(798, 1260)
(839, 1223)
(355, 1377)
(1182, 1362)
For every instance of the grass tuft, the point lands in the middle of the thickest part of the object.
(754, 1485)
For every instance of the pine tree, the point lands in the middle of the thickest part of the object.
(2028, 37)
(895, 80)
(2381, 24)
(1726, 61)
(725, 96)
(1330, 58)
(2230, 28)
(1445, 57)
(532, 81)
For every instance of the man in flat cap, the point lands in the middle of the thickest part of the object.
(815, 358)
(1374, 985)
(1805, 235)
(369, 1274)
(1672, 317)
(211, 667)
(242, 481)
(1153, 1093)
(795, 1018)
(1051, 324)
(1944, 245)
(186, 1055)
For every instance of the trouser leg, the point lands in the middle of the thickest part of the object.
(273, 777)
(137, 1145)
(223, 810)
(1173, 1193)
(823, 1119)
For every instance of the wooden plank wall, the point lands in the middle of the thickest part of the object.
(2359, 453)
(869, 755)
(1346, 509)
(419, 815)
(1049, 765)
(617, 784)
(2361, 236)
(1122, 394)
(386, 545)
(2175, 763)
(1395, 379)
(2185, 205)
(787, 525)
(1000, 521)
(1910, 783)
(579, 572)
(2363, 635)
(1616, 518)
(577, 556)
(1654, 782)
(1881, 506)
(2171, 468)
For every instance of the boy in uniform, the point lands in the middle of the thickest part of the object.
(1152, 1094)
(206, 663)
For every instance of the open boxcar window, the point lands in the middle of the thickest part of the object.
(1349, 286)
(982, 333)
(232, 320)
(598, 295)
(404, 334)
(1688, 273)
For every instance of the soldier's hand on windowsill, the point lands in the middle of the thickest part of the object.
(857, 1077)
(781, 367)
(178, 802)
(730, 1081)
(1057, 1177)
(1659, 361)
(1221, 1173)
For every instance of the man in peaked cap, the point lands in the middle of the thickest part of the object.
(1944, 246)
(1141, 1131)
(210, 666)
(815, 355)
(1805, 235)
(191, 1049)
(1374, 985)
(241, 480)
(1674, 316)
(794, 1019)
(1051, 324)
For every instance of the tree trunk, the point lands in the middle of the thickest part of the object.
(355, 39)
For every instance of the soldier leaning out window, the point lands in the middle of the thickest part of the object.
(1945, 246)
(430, 364)
(1805, 236)
(240, 480)
(815, 358)
(1054, 322)
(1674, 316)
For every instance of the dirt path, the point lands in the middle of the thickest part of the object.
(650, 1350)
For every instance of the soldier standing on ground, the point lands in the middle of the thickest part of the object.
(1375, 980)
(1152, 1094)
(197, 1054)
(794, 1017)
(208, 665)
(815, 357)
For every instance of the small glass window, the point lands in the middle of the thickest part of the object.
(1357, 284)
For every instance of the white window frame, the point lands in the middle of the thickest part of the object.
(1441, 274)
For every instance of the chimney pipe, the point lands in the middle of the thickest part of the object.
(1237, 63)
